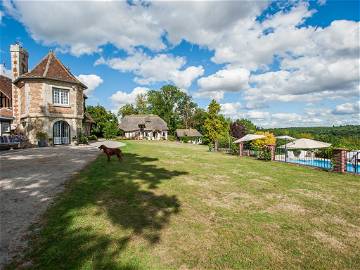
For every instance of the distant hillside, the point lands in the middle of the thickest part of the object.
(341, 136)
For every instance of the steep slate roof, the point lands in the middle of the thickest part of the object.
(5, 86)
(152, 122)
(50, 67)
(188, 132)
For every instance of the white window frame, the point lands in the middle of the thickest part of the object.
(63, 98)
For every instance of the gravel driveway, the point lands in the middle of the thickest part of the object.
(29, 180)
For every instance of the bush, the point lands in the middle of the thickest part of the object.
(92, 137)
(324, 153)
(264, 154)
(111, 130)
(185, 139)
(41, 135)
(171, 138)
(260, 143)
(82, 139)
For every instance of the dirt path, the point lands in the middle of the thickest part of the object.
(29, 180)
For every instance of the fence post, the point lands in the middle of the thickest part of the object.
(241, 149)
(271, 147)
(339, 159)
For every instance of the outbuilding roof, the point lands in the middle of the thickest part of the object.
(149, 122)
(50, 67)
(188, 133)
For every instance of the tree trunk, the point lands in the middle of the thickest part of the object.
(216, 145)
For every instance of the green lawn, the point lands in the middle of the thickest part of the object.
(177, 206)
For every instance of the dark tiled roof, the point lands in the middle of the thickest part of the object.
(188, 132)
(5, 86)
(50, 67)
(6, 113)
(150, 122)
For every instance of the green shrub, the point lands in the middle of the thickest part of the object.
(111, 130)
(82, 139)
(92, 137)
(171, 138)
(185, 139)
(264, 154)
(41, 135)
(324, 153)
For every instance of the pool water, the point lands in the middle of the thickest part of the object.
(323, 163)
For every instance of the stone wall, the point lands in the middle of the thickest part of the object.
(34, 109)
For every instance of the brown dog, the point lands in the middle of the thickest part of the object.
(111, 152)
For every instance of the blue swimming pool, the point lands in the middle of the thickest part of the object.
(323, 163)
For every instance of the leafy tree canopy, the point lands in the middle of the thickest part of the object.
(100, 116)
(215, 125)
(127, 109)
(247, 124)
(171, 104)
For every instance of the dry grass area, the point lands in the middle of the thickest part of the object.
(177, 206)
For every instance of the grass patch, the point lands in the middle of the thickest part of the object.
(177, 206)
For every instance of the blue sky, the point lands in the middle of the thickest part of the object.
(277, 63)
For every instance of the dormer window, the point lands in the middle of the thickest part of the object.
(60, 96)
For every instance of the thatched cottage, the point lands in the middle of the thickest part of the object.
(150, 127)
(48, 99)
(190, 135)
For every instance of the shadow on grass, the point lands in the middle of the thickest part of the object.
(101, 211)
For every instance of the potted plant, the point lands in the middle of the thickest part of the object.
(42, 138)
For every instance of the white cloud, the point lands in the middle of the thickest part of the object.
(160, 68)
(257, 115)
(348, 108)
(203, 22)
(225, 80)
(217, 95)
(315, 63)
(128, 25)
(230, 109)
(5, 72)
(121, 98)
(92, 81)
(83, 26)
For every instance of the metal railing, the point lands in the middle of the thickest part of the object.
(302, 157)
(353, 161)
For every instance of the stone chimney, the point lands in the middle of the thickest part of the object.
(19, 60)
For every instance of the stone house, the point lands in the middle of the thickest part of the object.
(189, 135)
(150, 127)
(46, 99)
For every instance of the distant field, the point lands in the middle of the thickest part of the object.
(177, 206)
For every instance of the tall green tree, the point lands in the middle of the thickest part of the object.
(215, 125)
(127, 109)
(198, 120)
(187, 109)
(141, 104)
(100, 116)
(249, 127)
(166, 103)
(111, 129)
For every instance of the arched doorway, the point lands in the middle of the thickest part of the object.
(61, 132)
